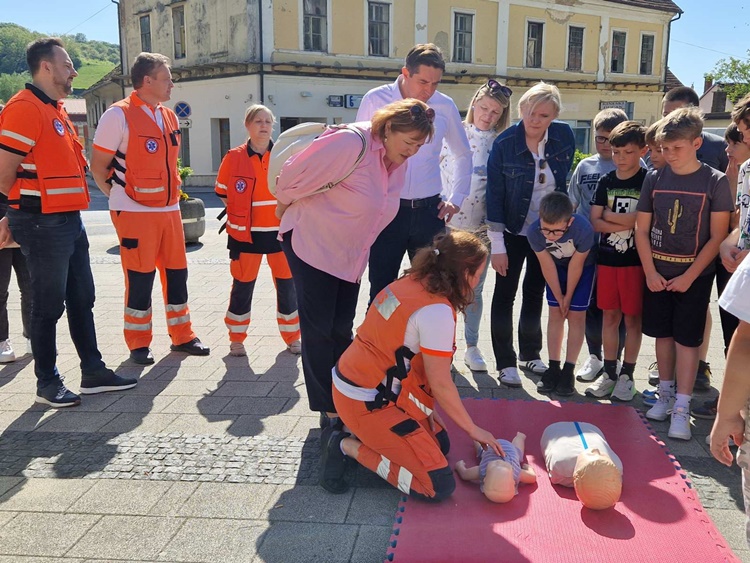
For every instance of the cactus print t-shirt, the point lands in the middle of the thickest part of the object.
(681, 207)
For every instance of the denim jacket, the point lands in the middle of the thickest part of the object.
(511, 169)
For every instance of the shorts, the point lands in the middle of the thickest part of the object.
(620, 289)
(582, 293)
(682, 316)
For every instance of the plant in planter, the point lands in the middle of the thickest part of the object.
(192, 209)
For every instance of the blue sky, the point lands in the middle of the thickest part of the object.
(706, 32)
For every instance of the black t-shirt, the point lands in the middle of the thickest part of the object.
(620, 196)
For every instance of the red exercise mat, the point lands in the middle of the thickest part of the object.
(658, 517)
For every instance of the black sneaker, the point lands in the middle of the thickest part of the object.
(334, 422)
(703, 377)
(549, 380)
(105, 380)
(142, 356)
(332, 461)
(56, 395)
(195, 348)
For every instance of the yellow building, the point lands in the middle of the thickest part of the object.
(312, 60)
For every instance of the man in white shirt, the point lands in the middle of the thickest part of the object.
(423, 213)
(134, 162)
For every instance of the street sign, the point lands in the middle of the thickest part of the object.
(182, 109)
(352, 101)
(186, 123)
(336, 101)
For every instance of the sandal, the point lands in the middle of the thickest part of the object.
(333, 462)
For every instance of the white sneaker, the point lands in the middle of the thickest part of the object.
(6, 352)
(601, 388)
(624, 389)
(536, 367)
(731, 441)
(509, 377)
(592, 369)
(237, 349)
(662, 408)
(679, 427)
(653, 374)
(295, 347)
(474, 360)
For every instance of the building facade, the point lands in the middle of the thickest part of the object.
(312, 60)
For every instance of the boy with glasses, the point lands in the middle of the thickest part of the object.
(582, 189)
(562, 242)
(619, 272)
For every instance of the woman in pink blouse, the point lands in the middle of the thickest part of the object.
(327, 236)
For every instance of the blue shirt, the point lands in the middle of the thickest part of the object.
(512, 456)
(578, 238)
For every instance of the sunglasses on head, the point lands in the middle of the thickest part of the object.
(417, 112)
(495, 87)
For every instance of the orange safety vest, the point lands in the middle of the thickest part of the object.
(151, 176)
(250, 206)
(380, 340)
(55, 169)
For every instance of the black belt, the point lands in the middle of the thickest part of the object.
(423, 202)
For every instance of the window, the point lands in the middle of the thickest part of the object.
(618, 51)
(719, 102)
(534, 45)
(220, 141)
(146, 33)
(575, 48)
(582, 133)
(647, 55)
(185, 146)
(378, 19)
(178, 28)
(462, 37)
(315, 25)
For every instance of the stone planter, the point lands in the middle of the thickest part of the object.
(193, 218)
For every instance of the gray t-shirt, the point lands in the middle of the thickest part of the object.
(681, 223)
(579, 238)
(583, 182)
(512, 456)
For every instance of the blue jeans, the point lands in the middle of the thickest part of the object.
(57, 254)
(473, 313)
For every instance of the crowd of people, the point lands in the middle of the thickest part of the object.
(630, 246)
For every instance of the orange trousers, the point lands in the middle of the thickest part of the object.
(401, 450)
(244, 268)
(151, 241)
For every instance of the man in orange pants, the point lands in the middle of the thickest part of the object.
(134, 162)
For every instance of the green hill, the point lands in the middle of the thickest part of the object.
(90, 72)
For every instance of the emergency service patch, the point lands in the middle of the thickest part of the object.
(152, 145)
(240, 185)
(386, 303)
(58, 127)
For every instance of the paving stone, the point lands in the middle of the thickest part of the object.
(50, 495)
(222, 540)
(296, 503)
(255, 405)
(371, 544)
(45, 534)
(295, 542)
(376, 507)
(135, 538)
(77, 421)
(120, 497)
(211, 500)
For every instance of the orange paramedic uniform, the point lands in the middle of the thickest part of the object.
(252, 227)
(397, 442)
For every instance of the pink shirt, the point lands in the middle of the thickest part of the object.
(333, 230)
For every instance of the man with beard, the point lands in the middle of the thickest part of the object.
(43, 175)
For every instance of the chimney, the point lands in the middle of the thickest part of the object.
(707, 83)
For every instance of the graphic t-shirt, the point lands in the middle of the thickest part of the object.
(584, 180)
(681, 206)
(620, 196)
(578, 238)
(743, 202)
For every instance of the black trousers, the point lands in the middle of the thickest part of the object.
(501, 314)
(326, 306)
(13, 259)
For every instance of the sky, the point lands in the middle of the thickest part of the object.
(707, 31)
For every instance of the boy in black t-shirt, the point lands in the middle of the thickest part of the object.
(683, 216)
(620, 276)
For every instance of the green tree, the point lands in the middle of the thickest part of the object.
(12, 83)
(734, 75)
(13, 41)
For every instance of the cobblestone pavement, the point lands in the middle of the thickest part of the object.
(215, 458)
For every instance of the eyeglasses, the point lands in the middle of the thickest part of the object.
(496, 87)
(553, 232)
(542, 175)
(417, 112)
(601, 139)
